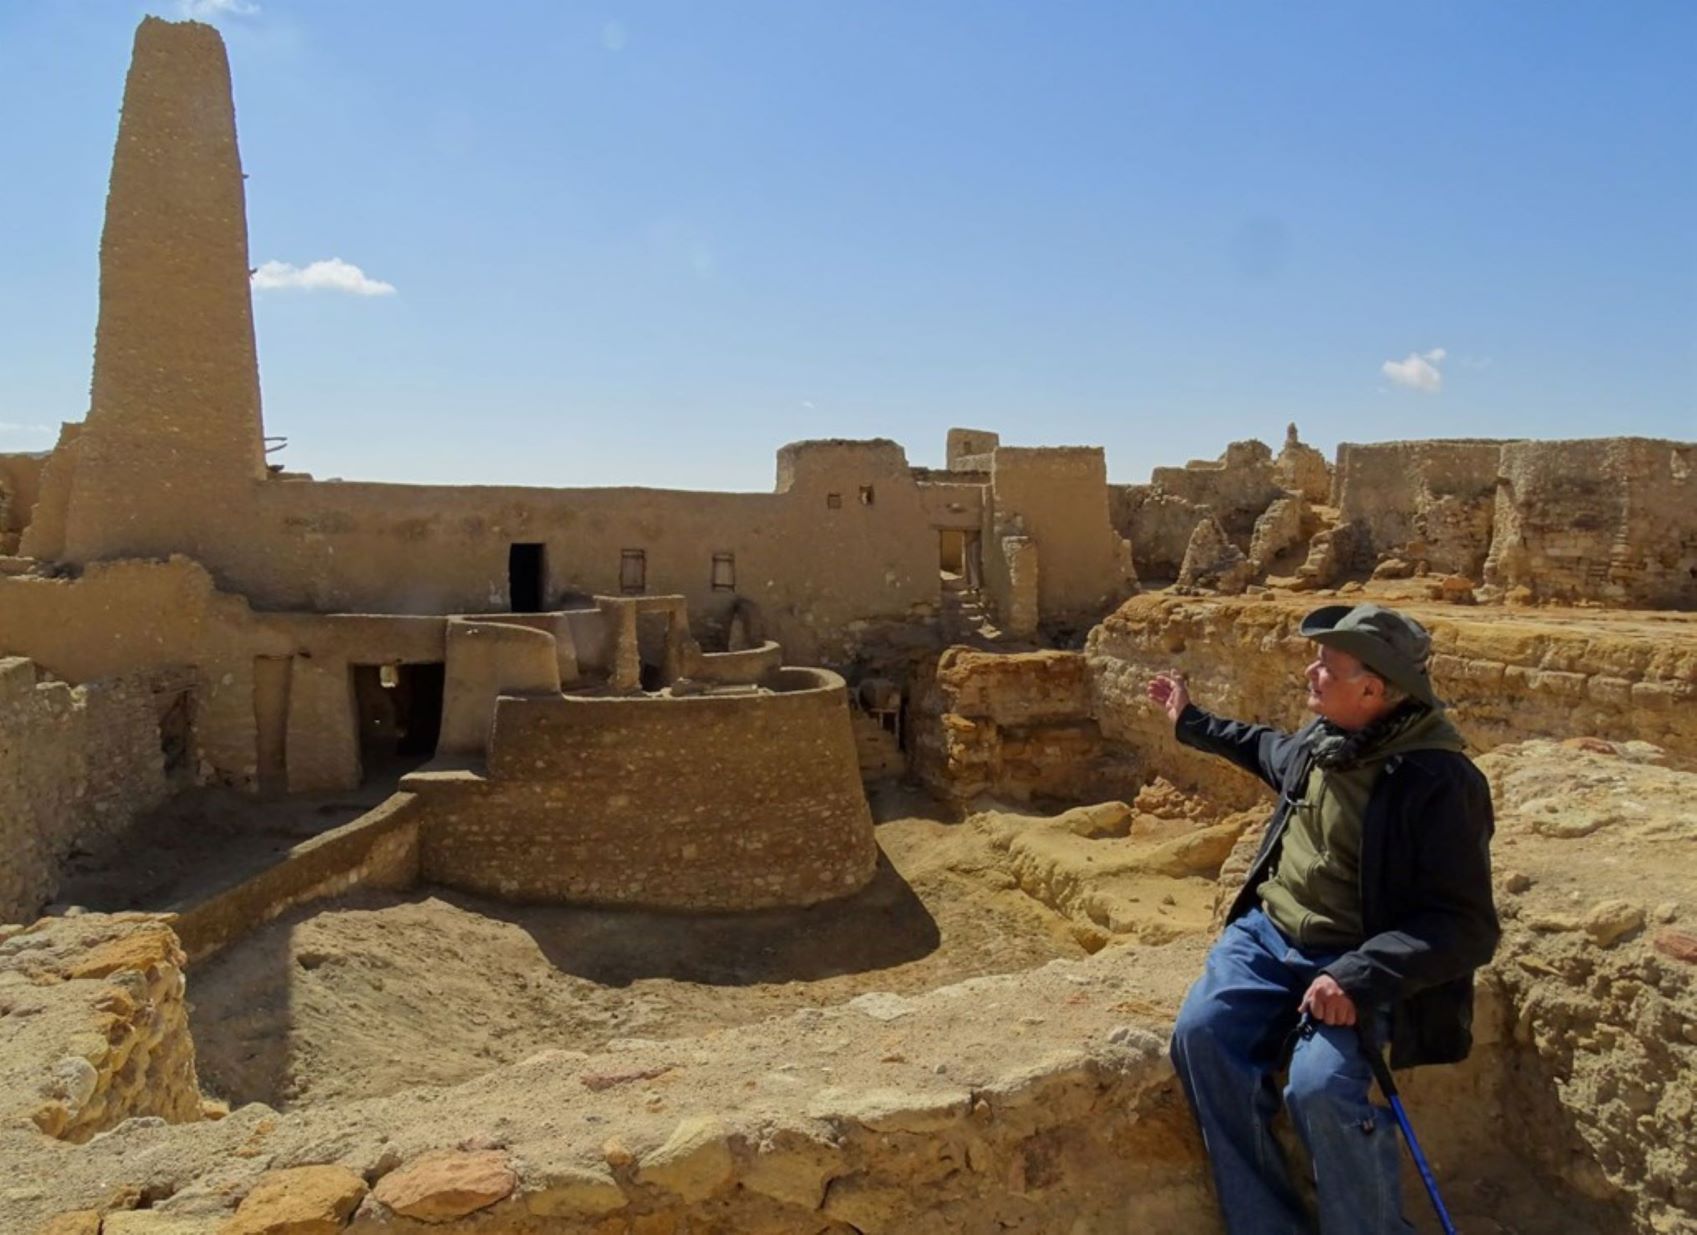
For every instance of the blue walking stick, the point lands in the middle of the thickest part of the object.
(1387, 1086)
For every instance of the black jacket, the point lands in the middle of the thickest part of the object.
(1426, 901)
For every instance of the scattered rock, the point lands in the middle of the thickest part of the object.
(576, 1192)
(1103, 819)
(305, 1200)
(881, 1005)
(1680, 945)
(446, 1183)
(694, 1162)
(1608, 922)
(77, 1222)
(1516, 882)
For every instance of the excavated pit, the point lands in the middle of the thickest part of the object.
(369, 994)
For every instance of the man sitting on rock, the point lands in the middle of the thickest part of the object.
(1366, 911)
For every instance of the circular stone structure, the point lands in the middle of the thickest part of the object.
(747, 798)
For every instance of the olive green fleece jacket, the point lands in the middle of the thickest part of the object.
(1313, 894)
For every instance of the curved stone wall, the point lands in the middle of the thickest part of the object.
(707, 802)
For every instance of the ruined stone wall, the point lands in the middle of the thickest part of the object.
(1507, 678)
(1236, 487)
(997, 1113)
(1016, 727)
(20, 486)
(706, 802)
(43, 536)
(1057, 497)
(95, 1028)
(77, 764)
(1419, 501)
(1612, 520)
(1158, 525)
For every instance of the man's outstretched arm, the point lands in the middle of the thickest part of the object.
(1259, 750)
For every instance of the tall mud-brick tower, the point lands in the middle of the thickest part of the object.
(173, 448)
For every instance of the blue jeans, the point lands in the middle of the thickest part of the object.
(1228, 1043)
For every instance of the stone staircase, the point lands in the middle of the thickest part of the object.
(964, 617)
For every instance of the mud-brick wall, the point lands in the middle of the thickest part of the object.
(1011, 726)
(711, 802)
(76, 765)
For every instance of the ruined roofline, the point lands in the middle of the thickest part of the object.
(1537, 441)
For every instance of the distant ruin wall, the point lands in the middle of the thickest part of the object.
(1236, 487)
(1158, 526)
(77, 764)
(1425, 502)
(1613, 519)
(707, 802)
(1057, 496)
(20, 486)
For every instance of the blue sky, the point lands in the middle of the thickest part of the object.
(648, 243)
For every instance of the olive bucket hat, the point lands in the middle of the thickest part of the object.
(1392, 645)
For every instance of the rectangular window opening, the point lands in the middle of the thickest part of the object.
(866, 495)
(633, 572)
(724, 572)
(834, 501)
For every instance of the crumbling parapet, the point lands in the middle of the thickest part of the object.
(969, 450)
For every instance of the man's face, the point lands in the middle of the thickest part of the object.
(1342, 690)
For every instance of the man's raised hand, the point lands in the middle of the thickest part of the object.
(1170, 693)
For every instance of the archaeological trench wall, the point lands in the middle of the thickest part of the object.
(705, 802)
(77, 764)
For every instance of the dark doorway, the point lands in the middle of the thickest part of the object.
(400, 715)
(527, 577)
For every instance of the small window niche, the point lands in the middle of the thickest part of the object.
(633, 571)
(724, 572)
(866, 495)
(833, 501)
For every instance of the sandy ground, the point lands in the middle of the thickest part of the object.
(368, 995)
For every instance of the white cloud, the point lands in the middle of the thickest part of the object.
(332, 275)
(7, 426)
(209, 10)
(1418, 371)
